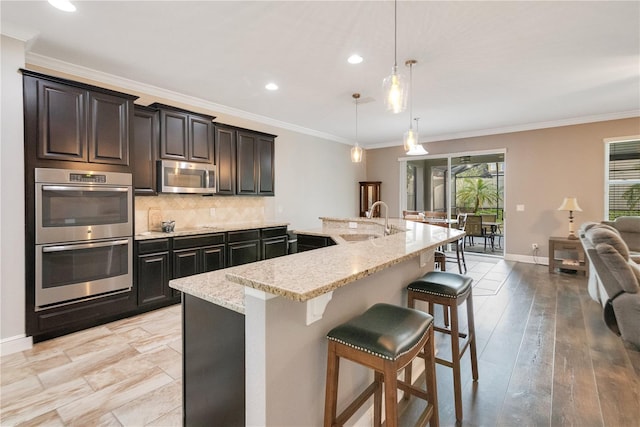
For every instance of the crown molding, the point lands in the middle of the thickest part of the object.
(132, 85)
(127, 84)
(520, 128)
(17, 32)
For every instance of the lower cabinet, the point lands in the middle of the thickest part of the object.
(243, 247)
(153, 272)
(157, 261)
(274, 242)
(197, 254)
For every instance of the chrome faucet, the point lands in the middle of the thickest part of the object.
(387, 229)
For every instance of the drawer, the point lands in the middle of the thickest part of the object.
(187, 242)
(273, 232)
(152, 246)
(243, 235)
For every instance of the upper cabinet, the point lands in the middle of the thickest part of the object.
(225, 142)
(71, 121)
(144, 149)
(185, 135)
(245, 161)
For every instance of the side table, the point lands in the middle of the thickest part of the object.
(567, 254)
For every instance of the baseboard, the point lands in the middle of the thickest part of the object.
(528, 259)
(15, 344)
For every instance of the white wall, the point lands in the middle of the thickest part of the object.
(12, 218)
(314, 176)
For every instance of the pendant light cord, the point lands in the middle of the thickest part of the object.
(395, 33)
(410, 95)
(356, 121)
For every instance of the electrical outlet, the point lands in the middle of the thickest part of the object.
(534, 246)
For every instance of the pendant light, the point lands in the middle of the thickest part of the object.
(417, 149)
(356, 151)
(410, 138)
(394, 86)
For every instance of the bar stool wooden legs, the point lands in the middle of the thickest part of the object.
(449, 290)
(385, 338)
(440, 260)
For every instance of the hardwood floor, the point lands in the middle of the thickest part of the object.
(545, 358)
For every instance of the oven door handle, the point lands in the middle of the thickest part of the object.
(84, 246)
(83, 188)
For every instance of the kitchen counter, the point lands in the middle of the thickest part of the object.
(208, 229)
(340, 265)
(254, 343)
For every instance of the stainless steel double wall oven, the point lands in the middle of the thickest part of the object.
(83, 235)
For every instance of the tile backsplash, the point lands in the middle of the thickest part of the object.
(191, 211)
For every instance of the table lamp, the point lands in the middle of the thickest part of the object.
(570, 204)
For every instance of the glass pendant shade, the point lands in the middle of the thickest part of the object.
(356, 154)
(395, 91)
(417, 150)
(410, 139)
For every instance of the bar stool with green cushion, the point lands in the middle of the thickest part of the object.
(385, 338)
(449, 290)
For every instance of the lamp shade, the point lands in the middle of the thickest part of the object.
(356, 154)
(395, 92)
(410, 139)
(570, 204)
(417, 150)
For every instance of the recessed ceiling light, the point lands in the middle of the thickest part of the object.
(64, 5)
(271, 86)
(355, 59)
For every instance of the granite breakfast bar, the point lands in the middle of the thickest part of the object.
(254, 335)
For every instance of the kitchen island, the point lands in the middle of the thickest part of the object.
(254, 335)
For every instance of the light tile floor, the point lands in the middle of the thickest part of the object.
(129, 372)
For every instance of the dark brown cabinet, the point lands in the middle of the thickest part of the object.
(274, 242)
(152, 275)
(243, 247)
(247, 171)
(185, 135)
(265, 160)
(198, 254)
(225, 148)
(153, 272)
(77, 122)
(144, 148)
(245, 161)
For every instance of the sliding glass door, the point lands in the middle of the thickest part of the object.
(471, 183)
(427, 185)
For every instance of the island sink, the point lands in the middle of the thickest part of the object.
(359, 237)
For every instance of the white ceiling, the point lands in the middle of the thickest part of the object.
(483, 66)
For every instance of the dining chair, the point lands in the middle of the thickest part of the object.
(459, 244)
(435, 214)
(474, 228)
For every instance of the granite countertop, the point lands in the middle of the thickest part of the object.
(306, 275)
(209, 228)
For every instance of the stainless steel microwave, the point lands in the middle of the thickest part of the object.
(186, 177)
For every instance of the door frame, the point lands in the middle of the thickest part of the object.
(402, 191)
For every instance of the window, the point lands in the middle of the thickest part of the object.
(622, 184)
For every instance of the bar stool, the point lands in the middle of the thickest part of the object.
(449, 290)
(440, 260)
(385, 338)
